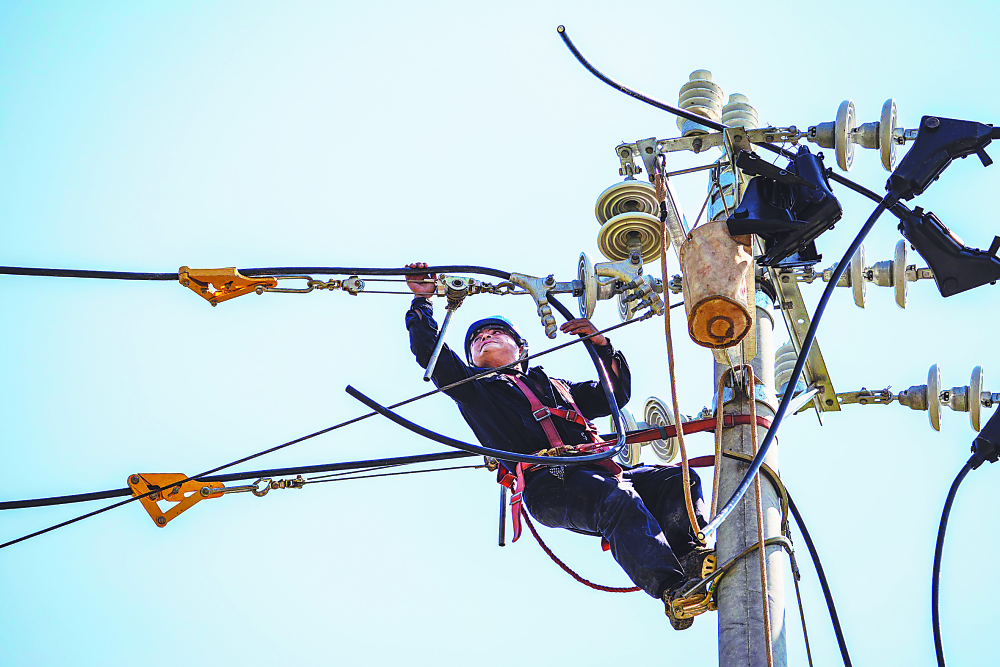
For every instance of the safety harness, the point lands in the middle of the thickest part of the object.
(543, 415)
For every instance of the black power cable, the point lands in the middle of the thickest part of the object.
(239, 476)
(938, 551)
(273, 271)
(827, 593)
(323, 431)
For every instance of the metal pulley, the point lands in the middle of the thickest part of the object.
(657, 413)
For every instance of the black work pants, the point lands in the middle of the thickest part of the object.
(642, 516)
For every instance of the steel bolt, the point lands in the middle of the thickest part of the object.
(161, 521)
(134, 479)
(932, 122)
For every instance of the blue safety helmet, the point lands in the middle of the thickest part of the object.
(495, 322)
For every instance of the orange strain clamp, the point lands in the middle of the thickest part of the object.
(184, 495)
(218, 285)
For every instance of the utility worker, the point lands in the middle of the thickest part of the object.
(640, 512)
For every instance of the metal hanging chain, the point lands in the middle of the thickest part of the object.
(355, 285)
(316, 433)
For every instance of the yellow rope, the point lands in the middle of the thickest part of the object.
(731, 373)
(685, 467)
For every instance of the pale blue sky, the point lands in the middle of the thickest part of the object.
(141, 136)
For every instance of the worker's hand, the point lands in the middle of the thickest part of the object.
(583, 327)
(416, 282)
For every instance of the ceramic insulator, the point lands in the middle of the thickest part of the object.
(703, 97)
(784, 363)
(739, 113)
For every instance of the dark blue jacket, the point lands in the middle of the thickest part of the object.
(495, 408)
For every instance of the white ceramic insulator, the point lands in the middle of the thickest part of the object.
(702, 96)
(739, 113)
(784, 363)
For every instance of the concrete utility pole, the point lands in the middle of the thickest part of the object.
(742, 641)
(741, 610)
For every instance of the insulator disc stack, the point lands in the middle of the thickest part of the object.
(702, 96)
(739, 113)
(628, 213)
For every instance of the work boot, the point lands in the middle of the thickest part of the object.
(698, 563)
(671, 594)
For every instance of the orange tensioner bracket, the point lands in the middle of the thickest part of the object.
(183, 495)
(218, 285)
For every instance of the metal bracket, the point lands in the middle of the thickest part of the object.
(538, 288)
(703, 142)
(185, 495)
(218, 285)
(797, 320)
(867, 397)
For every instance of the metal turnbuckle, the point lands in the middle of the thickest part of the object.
(258, 488)
(218, 285)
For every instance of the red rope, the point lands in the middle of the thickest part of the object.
(545, 548)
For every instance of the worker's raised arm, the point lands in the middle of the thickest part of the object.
(423, 335)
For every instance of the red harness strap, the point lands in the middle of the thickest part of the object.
(543, 414)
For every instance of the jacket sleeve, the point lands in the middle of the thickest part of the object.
(423, 335)
(589, 396)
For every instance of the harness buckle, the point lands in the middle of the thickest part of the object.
(541, 414)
